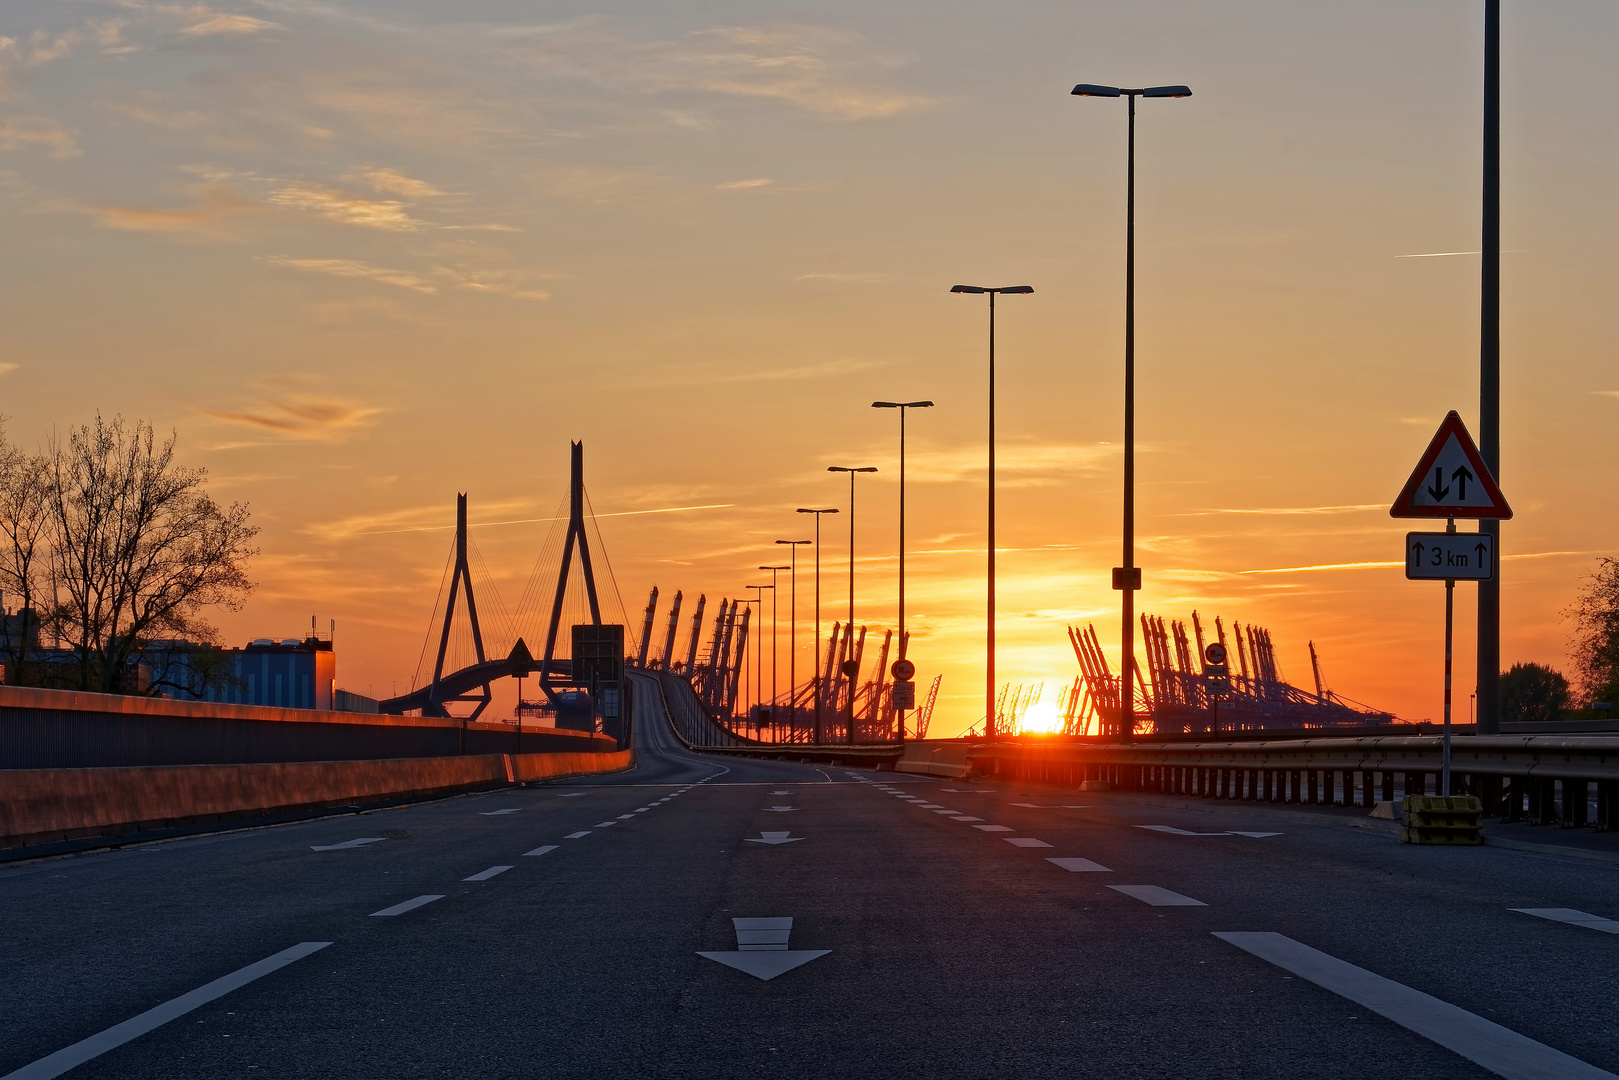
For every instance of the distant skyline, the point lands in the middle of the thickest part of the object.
(365, 255)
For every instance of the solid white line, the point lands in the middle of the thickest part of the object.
(1080, 866)
(73, 1056)
(1572, 917)
(495, 813)
(1157, 896)
(408, 905)
(577, 835)
(485, 875)
(1498, 1049)
(541, 850)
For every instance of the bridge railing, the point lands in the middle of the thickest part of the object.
(1543, 779)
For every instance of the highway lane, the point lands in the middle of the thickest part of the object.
(953, 952)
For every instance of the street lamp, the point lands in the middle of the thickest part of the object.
(758, 653)
(744, 658)
(818, 513)
(792, 634)
(899, 714)
(1125, 578)
(775, 595)
(847, 630)
(989, 643)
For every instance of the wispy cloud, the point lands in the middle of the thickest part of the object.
(395, 182)
(22, 132)
(396, 522)
(743, 185)
(212, 205)
(1288, 511)
(335, 205)
(7, 369)
(353, 268)
(304, 417)
(229, 24)
(1016, 464)
(844, 279)
(1607, 393)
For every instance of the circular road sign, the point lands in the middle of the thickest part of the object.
(903, 670)
(851, 668)
(1214, 652)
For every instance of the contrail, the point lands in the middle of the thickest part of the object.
(529, 521)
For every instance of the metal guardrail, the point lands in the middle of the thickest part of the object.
(1545, 779)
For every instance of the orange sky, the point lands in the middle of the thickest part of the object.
(365, 255)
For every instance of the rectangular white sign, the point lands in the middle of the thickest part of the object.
(1465, 556)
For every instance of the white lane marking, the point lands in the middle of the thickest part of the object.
(497, 813)
(964, 817)
(541, 850)
(1080, 866)
(785, 837)
(761, 949)
(1498, 1049)
(1572, 917)
(621, 817)
(577, 835)
(781, 809)
(1157, 896)
(1033, 806)
(573, 794)
(485, 875)
(995, 828)
(1070, 806)
(1170, 830)
(345, 845)
(1255, 835)
(641, 809)
(71, 1057)
(408, 905)
(605, 824)
(929, 805)
(1024, 841)
(947, 811)
(781, 793)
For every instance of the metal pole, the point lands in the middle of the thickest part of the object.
(851, 599)
(1127, 647)
(818, 622)
(1450, 623)
(1489, 411)
(899, 714)
(989, 634)
(792, 645)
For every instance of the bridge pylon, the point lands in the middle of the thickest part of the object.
(576, 538)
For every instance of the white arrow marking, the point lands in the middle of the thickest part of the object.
(781, 793)
(345, 845)
(785, 837)
(761, 949)
(781, 809)
(1172, 831)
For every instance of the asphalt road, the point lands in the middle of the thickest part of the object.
(951, 952)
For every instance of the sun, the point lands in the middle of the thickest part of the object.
(1043, 718)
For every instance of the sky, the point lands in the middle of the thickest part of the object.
(363, 256)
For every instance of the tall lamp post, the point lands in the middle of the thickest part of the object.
(817, 654)
(758, 653)
(775, 597)
(849, 629)
(899, 714)
(1125, 578)
(792, 635)
(1489, 394)
(989, 629)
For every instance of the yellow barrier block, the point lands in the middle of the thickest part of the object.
(1442, 819)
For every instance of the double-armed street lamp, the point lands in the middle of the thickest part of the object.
(989, 643)
(758, 652)
(792, 634)
(849, 629)
(817, 654)
(747, 600)
(899, 714)
(775, 596)
(1126, 578)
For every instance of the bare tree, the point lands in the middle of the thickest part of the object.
(1595, 613)
(24, 520)
(138, 549)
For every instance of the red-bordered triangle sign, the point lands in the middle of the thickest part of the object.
(1451, 480)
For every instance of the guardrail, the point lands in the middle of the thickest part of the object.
(1543, 779)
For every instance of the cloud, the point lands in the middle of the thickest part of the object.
(497, 282)
(304, 417)
(1286, 511)
(349, 209)
(397, 183)
(21, 132)
(213, 205)
(844, 279)
(743, 185)
(825, 71)
(825, 369)
(353, 268)
(1607, 393)
(7, 369)
(229, 24)
(601, 187)
(1016, 465)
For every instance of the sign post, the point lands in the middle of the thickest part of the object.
(1450, 481)
(1216, 681)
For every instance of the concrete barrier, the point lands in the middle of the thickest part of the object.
(941, 758)
(40, 806)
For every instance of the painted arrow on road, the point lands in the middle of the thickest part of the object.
(345, 845)
(1172, 831)
(781, 809)
(761, 949)
(774, 838)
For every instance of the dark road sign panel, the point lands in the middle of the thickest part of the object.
(1453, 556)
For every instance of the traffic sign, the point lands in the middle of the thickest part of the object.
(1451, 480)
(904, 694)
(902, 670)
(1214, 652)
(1454, 556)
(850, 668)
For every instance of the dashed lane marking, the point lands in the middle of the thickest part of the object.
(995, 828)
(544, 849)
(577, 835)
(485, 875)
(1170, 830)
(964, 817)
(72, 1057)
(1024, 841)
(1498, 1049)
(605, 824)
(347, 844)
(1080, 866)
(1157, 896)
(497, 813)
(408, 905)
(1572, 917)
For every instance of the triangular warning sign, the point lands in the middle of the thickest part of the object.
(1451, 480)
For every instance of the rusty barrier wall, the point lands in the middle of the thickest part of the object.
(47, 805)
(1545, 779)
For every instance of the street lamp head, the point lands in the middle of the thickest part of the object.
(775, 567)
(1015, 289)
(1092, 90)
(1086, 89)
(794, 542)
(844, 468)
(1167, 91)
(968, 289)
(902, 404)
(828, 510)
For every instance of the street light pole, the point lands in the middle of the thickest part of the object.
(989, 634)
(1489, 406)
(775, 597)
(1124, 578)
(744, 659)
(792, 635)
(849, 629)
(899, 714)
(817, 654)
(758, 653)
